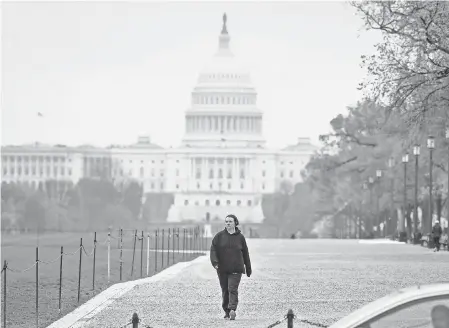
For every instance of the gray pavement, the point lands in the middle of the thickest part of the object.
(321, 280)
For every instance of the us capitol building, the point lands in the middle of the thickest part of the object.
(222, 165)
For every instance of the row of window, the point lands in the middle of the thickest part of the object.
(33, 171)
(34, 158)
(121, 172)
(221, 76)
(58, 185)
(199, 160)
(198, 174)
(219, 173)
(218, 203)
(220, 186)
(224, 100)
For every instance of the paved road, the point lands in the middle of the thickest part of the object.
(321, 280)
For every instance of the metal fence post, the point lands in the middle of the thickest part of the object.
(79, 272)
(156, 240)
(141, 256)
(168, 247)
(121, 253)
(134, 253)
(4, 293)
(37, 287)
(95, 251)
(135, 320)
(290, 317)
(60, 279)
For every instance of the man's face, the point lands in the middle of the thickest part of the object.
(229, 222)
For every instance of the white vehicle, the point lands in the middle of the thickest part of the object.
(424, 306)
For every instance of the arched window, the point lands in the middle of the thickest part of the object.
(220, 173)
(228, 202)
(217, 202)
(207, 202)
(186, 202)
(249, 202)
(211, 174)
(239, 202)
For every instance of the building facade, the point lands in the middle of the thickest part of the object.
(222, 165)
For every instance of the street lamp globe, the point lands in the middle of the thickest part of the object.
(431, 142)
(405, 158)
(378, 173)
(416, 150)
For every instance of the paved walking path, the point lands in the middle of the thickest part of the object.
(321, 280)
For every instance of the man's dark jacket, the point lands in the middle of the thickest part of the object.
(437, 231)
(230, 252)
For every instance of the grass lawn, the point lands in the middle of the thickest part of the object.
(20, 253)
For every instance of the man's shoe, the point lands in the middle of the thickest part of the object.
(226, 317)
(232, 315)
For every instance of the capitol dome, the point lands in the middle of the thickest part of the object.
(224, 68)
(223, 111)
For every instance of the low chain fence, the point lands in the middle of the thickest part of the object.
(162, 243)
(290, 317)
(136, 322)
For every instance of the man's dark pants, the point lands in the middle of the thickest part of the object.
(436, 241)
(229, 283)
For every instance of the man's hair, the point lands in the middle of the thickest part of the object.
(232, 216)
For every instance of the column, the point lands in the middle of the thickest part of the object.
(234, 170)
(220, 126)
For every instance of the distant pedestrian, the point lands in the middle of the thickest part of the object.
(230, 257)
(436, 233)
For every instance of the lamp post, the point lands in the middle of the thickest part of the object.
(405, 161)
(447, 197)
(378, 176)
(391, 165)
(416, 152)
(371, 220)
(431, 147)
(365, 187)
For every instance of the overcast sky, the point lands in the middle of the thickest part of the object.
(105, 72)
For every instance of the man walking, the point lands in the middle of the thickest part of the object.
(229, 256)
(436, 233)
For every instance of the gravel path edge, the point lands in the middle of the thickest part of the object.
(81, 315)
